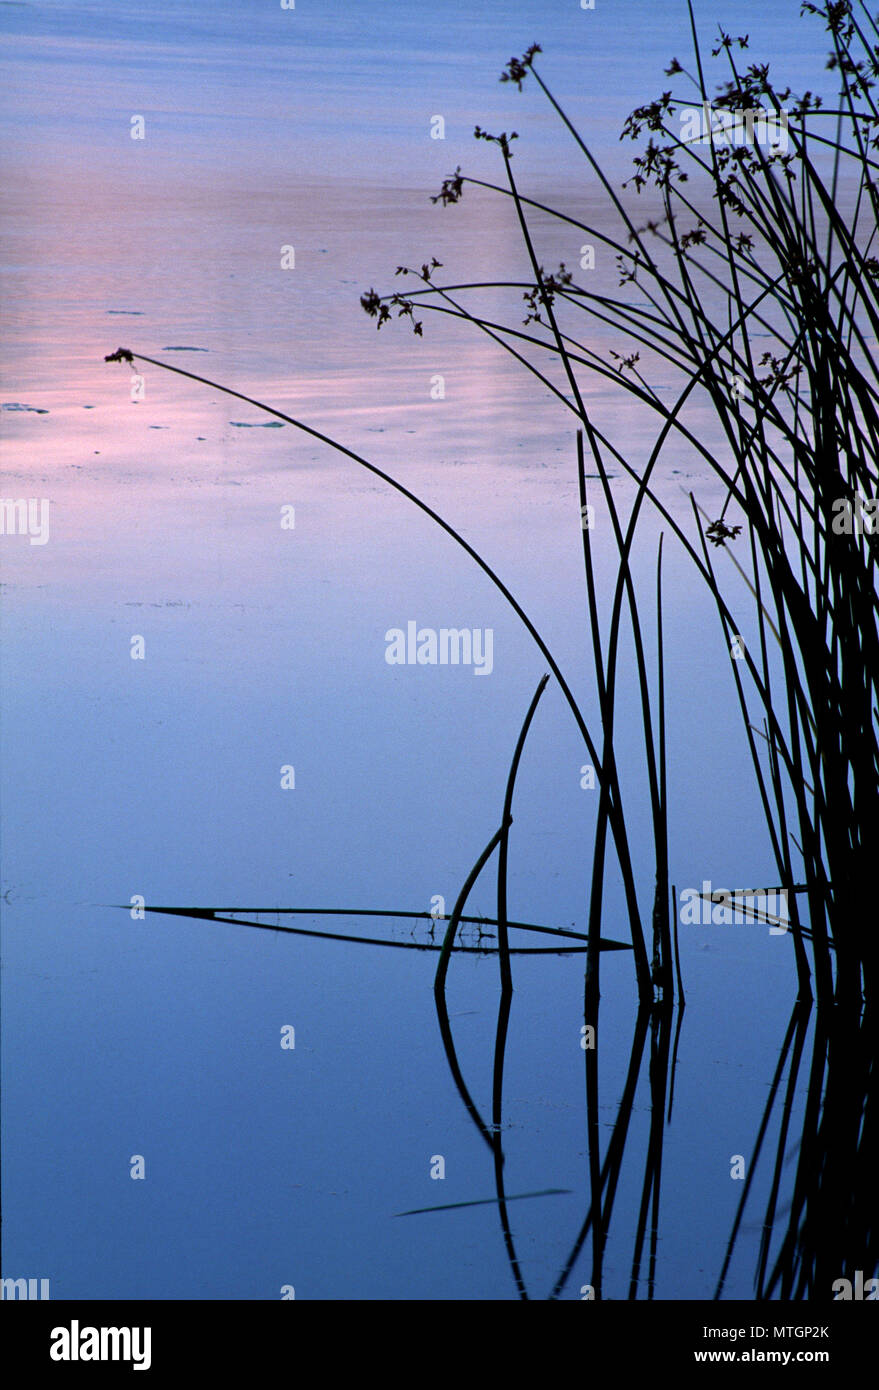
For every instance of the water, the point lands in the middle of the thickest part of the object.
(264, 648)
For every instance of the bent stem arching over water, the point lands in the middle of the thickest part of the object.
(610, 802)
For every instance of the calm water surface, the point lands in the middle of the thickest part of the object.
(264, 647)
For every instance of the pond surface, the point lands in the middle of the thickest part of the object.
(264, 648)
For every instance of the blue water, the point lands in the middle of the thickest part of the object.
(265, 648)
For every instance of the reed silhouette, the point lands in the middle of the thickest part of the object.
(750, 245)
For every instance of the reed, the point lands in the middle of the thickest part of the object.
(752, 248)
(758, 286)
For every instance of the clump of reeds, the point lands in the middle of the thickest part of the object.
(767, 237)
(757, 284)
